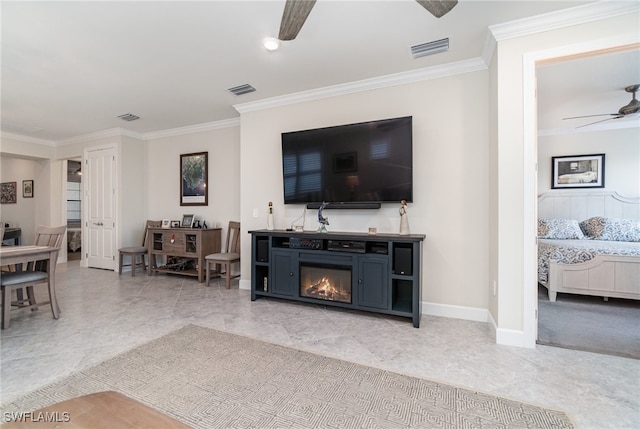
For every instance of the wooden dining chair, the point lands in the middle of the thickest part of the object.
(137, 251)
(231, 256)
(31, 275)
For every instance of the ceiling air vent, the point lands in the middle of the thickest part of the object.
(129, 117)
(241, 89)
(429, 48)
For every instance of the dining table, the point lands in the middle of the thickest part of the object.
(20, 256)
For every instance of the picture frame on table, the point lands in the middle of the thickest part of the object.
(175, 224)
(166, 223)
(27, 189)
(577, 171)
(194, 172)
(187, 220)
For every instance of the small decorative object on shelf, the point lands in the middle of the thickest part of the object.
(204, 224)
(321, 219)
(404, 220)
(270, 217)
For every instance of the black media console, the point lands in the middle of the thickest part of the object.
(378, 273)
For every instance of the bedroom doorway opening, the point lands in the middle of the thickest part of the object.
(584, 322)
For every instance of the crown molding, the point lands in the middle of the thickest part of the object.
(395, 79)
(563, 18)
(27, 139)
(554, 20)
(198, 128)
(123, 132)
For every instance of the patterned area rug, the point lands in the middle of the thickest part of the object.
(212, 379)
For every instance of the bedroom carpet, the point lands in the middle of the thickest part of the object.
(213, 379)
(589, 323)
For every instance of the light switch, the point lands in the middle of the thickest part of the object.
(256, 213)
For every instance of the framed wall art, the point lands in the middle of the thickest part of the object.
(27, 189)
(8, 193)
(578, 171)
(194, 169)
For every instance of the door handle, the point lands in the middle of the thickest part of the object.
(99, 223)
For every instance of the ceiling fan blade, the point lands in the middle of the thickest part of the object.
(591, 116)
(438, 8)
(604, 120)
(293, 17)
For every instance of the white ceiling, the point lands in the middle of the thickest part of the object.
(70, 68)
(587, 86)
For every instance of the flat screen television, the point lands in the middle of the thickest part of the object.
(367, 162)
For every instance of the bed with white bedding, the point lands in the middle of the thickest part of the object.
(583, 249)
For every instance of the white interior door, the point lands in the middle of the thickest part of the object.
(100, 197)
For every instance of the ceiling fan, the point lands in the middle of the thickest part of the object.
(296, 12)
(628, 109)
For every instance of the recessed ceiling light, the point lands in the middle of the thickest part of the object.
(271, 43)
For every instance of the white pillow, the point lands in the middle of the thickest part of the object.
(559, 229)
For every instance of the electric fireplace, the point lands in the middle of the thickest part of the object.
(327, 282)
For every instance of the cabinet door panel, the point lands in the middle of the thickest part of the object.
(284, 279)
(373, 282)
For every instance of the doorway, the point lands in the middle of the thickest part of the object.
(590, 74)
(74, 210)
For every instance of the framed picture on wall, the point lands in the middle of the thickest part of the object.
(194, 169)
(578, 171)
(8, 193)
(27, 189)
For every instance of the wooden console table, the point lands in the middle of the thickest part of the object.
(188, 245)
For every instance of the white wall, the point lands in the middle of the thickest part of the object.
(22, 214)
(450, 138)
(622, 157)
(132, 191)
(163, 187)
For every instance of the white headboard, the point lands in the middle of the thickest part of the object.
(583, 205)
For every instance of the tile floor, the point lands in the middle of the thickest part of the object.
(105, 314)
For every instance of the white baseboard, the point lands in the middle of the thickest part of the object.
(244, 284)
(455, 312)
